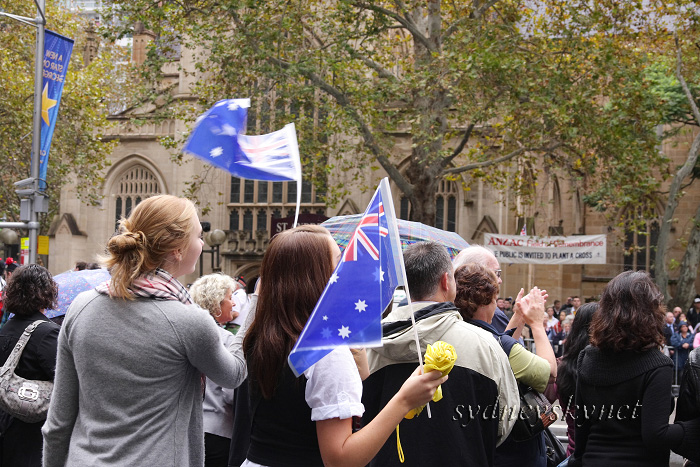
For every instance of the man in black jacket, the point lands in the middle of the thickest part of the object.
(481, 396)
(693, 315)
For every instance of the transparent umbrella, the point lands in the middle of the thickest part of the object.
(71, 283)
(343, 227)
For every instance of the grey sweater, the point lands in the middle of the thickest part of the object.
(128, 388)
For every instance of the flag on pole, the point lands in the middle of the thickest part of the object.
(217, 139)
(349, 311)
(523, 231)
(57, 52)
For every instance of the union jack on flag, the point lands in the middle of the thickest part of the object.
(362, 239)
(361, 287)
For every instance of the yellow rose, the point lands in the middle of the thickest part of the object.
(441, 357)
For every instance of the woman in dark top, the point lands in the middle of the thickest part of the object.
(623, 390)
(29, 292)
(688, 406)
(576, 341)
(307, 421)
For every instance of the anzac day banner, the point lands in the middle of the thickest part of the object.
(578, 249)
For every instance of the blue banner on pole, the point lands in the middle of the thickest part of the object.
(57, 51)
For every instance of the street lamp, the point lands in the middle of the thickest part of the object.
(214, 239)
(9, 237)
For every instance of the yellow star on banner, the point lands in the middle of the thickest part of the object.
(46, 104)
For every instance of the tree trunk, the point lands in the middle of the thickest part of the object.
(674, 191)
(423, 199)
(661, 271)
(685, 289)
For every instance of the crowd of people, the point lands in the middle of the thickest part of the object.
(145, 372)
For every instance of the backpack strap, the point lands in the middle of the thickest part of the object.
(13, 359)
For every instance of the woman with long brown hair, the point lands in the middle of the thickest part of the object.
(307, 421)
(132, 353)
(623, 388)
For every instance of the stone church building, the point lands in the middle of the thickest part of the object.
(244, 209)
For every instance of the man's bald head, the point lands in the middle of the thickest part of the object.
(479, 255)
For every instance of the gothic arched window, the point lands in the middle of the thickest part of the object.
(135, 185)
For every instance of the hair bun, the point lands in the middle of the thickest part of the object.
(127, 241)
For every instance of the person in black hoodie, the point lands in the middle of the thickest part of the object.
(688, 406)
(623, 389)
(30, 291)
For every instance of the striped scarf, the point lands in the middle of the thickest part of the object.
(160, 285)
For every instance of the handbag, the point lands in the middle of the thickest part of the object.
(25, 399)
(554, 449)
(536, 414)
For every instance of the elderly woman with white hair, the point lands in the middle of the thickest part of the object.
(214, 292)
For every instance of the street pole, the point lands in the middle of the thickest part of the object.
(33, 225)
(29, 188)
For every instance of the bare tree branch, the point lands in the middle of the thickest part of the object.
(498, 160)
(406, 23)
(478, 165)
(477, 13)
(484, 7)
(381, 71)
(674, 189)
(465, 139)
(402, 7)
(369, 139)
(460, 147)
(453, 27)
(684, 85)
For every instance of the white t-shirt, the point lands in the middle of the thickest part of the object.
(333, 389)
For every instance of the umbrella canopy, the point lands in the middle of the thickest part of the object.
(343, 227)
(71, 283)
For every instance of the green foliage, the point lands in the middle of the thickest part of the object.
(497, 91)
(78, 151)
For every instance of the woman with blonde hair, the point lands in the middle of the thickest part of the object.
(307, 421)
(132, 352)
(214, 293)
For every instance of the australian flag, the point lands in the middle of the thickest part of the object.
(217, 138)
(362, 286)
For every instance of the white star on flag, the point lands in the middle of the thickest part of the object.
(216, 152)
(228, 130)
(326, 333)
(344, 332)
(360, 306)
(333, 279)
(379, 275)
(325, 318)
(233, 106)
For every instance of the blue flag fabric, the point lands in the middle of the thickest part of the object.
(217, 138)
(57, 52)
(361, 287)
